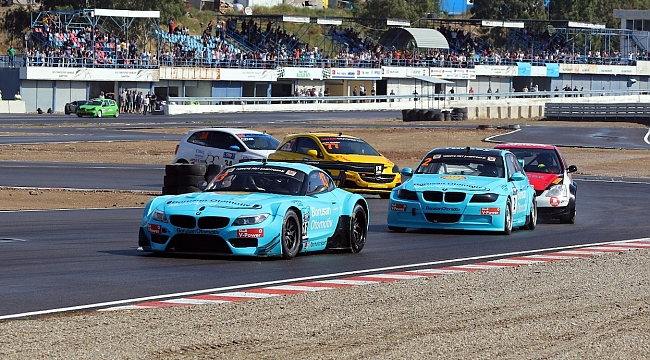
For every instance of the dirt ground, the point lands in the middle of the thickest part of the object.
(404, 146)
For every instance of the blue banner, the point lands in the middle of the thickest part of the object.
(553, 70)
(523, 69)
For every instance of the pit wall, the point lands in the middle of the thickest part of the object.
(509, 108)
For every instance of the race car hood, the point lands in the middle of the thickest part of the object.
(219, 201)
(370, 159)
(541, 181)
(463, 183)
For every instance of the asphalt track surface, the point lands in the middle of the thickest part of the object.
(57, 259)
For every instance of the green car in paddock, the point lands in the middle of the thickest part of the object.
(99, 108)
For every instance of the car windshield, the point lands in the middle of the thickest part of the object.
(267, 179)
(350, 146)
(259, 141)
(462, 164)
(539, 160)
(94, 102)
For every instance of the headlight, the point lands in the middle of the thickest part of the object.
(556, 190)
(159, 216)
(407, 194)
(250, 219)
(484, 198)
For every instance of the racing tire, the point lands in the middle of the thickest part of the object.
(117, 114)
(507, 221)
(571, 218)
(212, 171)
(397, 229)
(358, 228)
(170, 180)
(99, 114)
(531, 219)
(170, 190)
(185, 169)
(187, 189)
(290, 240)
(190, 180)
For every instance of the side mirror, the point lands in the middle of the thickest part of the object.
(202, 185)
(313, 153)
(234, 148)
(518, 177)
(521, 161)
(572, 169)
(406, 172)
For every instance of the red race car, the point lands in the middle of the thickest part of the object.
(551, 177)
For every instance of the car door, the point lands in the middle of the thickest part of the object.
(520, 188)
(227, 148)
(324, 209)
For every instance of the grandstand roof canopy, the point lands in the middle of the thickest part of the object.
(423, 38)
(431, 79)
(125, 13)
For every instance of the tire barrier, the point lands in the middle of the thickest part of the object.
(422, 115)
(185, 178)
(459, 114)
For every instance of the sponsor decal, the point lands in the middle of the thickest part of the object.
(398, 207)
(197, 231)
(250, 233)
(491, 158)
(305, 225)
(325, 224)
(490, 211)
(291, 173)
(450, 185)
(199, 151)
(210, 202)
(555, 201)
(228, 155)
(315, 212)
(443, 208)
(453, 177)
(154, 228)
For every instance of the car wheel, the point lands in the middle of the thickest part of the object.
(290, 235)
(398, 229)
(531, 219)
(99, 114)
(571, 218)
(359, 228)
(507, 221)
(117, 113)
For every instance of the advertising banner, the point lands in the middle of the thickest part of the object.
(523, 69)
(88, 74)
(496, 70)
(452, 73)
(300, 73)
(402, 72)
(355, 73)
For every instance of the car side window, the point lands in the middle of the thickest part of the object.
(200, 138)
(305, 144)
(512, 164)
(319, 182)
(289, 146)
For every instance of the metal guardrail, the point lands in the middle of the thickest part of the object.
(597, 111)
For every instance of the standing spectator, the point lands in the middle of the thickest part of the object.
(171, 25)
(130, 101)
(392, 93)
(452, 93)
(138, 102)
(17, 96)
(12, 56)
(123, 100)
(373, 92)
(354, 93)
(0, 95)
(145, 104)
(489, 91)
(495, 94)
(471, 93)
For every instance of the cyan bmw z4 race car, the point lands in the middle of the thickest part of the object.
(258, 209)
(464, 189)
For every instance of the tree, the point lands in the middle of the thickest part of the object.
(15, 23)
(593, 11)
(508, 9)
(167, 8)
(397, 9)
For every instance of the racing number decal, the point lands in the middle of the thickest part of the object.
(204, 135)
(331, 146)
(323, 178)
(426, 162)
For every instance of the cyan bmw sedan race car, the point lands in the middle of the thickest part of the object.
(258, 209)
(464, 189)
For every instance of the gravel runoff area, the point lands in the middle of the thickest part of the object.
(588, 308)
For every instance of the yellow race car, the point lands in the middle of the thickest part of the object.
(353, 163)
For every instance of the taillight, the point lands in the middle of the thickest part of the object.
(176, 150)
